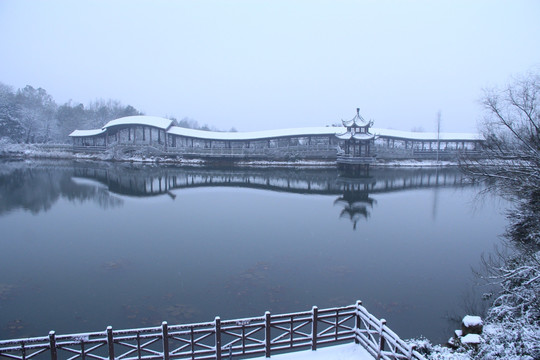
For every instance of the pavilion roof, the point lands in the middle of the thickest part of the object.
(357, 136)
(357, 120)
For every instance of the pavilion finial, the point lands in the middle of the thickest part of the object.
(358, 111)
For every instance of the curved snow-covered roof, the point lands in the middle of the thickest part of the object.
(252, 135)
(409, 135)
(87, 132)
(341, 132)
(154, 121)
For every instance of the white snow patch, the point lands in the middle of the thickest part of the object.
(154, 121)
(337, 352)
(92, 132)
(470, 320)
(471, 339)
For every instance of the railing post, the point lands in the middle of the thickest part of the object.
(267, 332)
(23, 351)
(218, 337)
(165, 338)
(52, 345)
(357, 322)
(314, 320)
(413, 348)
(110, 342)
(381, 339)
(336, 332)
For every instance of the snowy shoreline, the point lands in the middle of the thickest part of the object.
(30, 151)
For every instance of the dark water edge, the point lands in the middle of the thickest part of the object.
(90, 244)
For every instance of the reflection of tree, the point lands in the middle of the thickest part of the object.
(36, 189)
(356, 202)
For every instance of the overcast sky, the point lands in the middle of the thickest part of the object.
(259, 65)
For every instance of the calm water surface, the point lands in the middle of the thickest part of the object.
(84, 246)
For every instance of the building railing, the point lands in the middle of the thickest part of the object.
(353, 160)
(240, 338)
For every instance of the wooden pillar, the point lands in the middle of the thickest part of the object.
(267, 334)
(314, 331)
(381, 339)
(110, 342)
(165, 339)
(217, 330)
(52, 345)
(357, 321)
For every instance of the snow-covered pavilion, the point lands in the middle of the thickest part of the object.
(358, 141)
(161, 135)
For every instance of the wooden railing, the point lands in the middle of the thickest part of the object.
(241, 338)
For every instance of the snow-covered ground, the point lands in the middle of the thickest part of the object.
(337, 352)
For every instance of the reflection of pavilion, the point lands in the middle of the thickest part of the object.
(356, 201)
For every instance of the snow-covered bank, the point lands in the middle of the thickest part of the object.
(64, 152)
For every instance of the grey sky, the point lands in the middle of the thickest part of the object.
(259, 65)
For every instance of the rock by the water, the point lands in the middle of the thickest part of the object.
(471, 325)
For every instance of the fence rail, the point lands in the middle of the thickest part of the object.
(228, 339)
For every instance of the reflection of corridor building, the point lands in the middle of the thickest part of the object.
(158, 136)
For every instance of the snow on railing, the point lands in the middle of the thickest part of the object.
(256, 336)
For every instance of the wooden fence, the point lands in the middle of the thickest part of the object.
(228, 339)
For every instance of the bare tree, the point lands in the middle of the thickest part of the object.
(512, 132)
(512, 168)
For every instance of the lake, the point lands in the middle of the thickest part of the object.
(87, 245)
